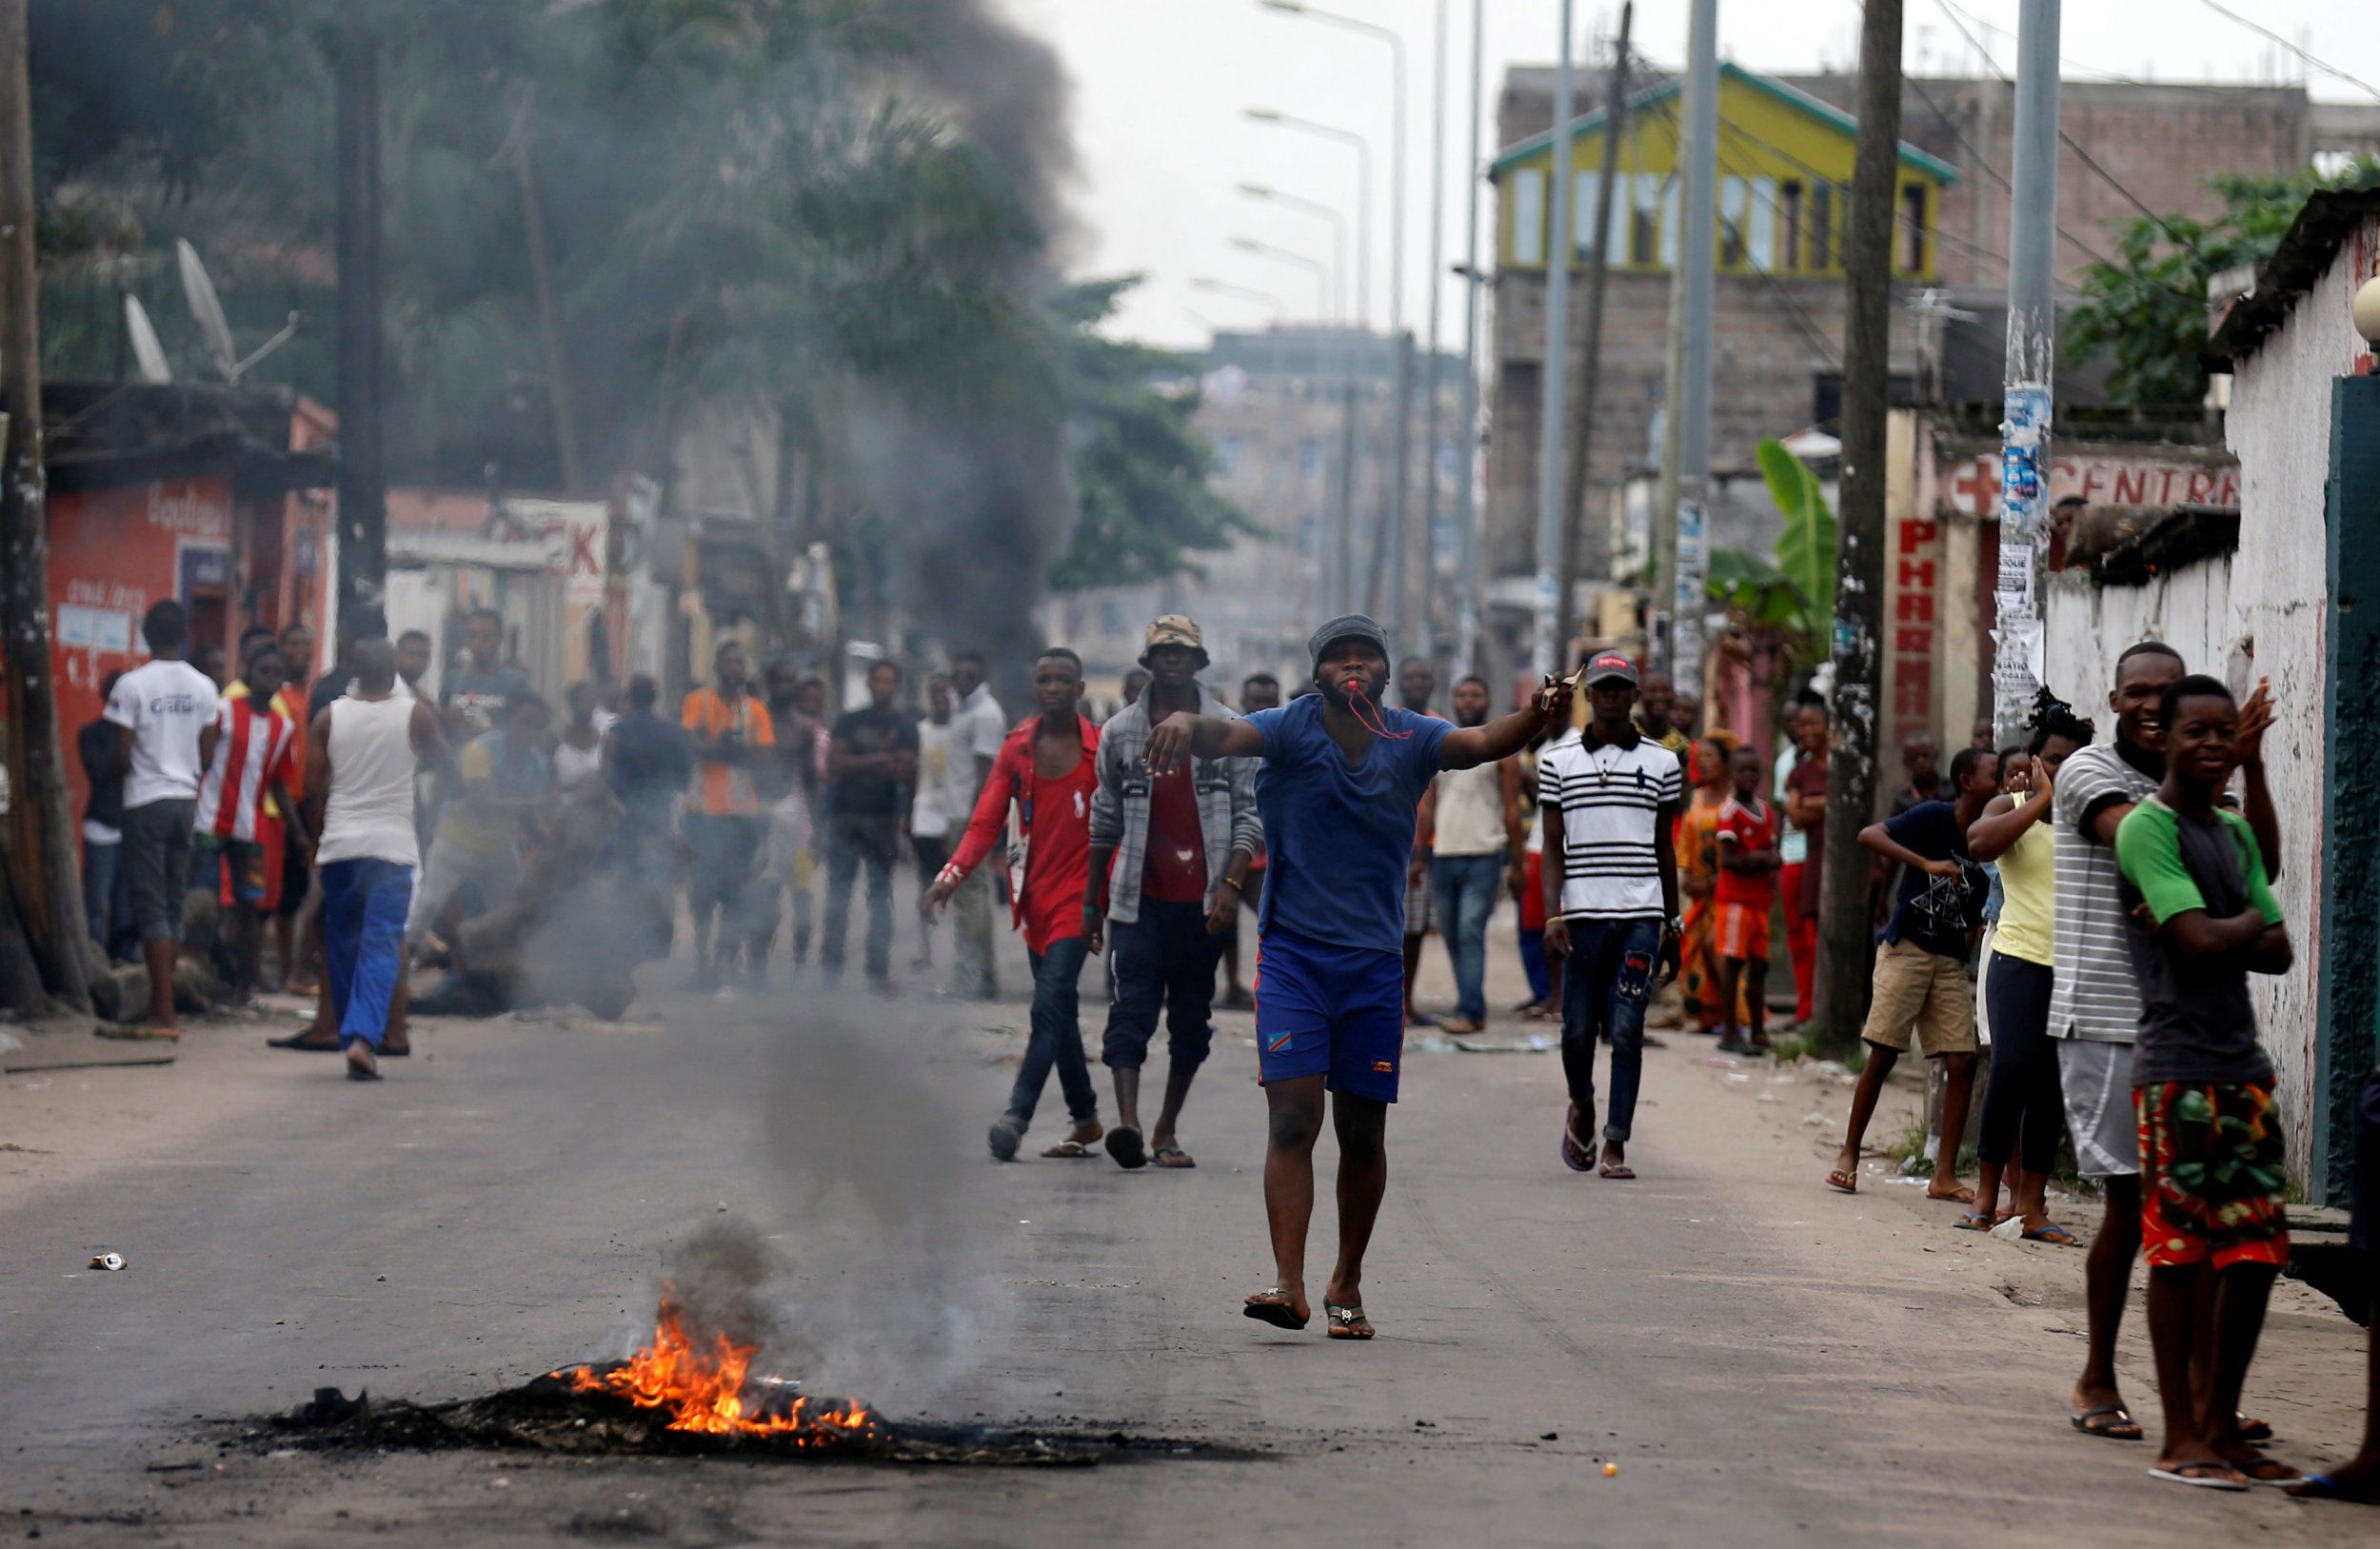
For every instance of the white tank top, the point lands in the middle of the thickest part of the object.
(368, 815)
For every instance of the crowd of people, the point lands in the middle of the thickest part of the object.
(2111, 899)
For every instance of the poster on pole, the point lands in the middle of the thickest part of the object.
(1691, 600)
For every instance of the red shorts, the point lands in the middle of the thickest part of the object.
(1533, 893)
(1743, 931)
(2212, 1174)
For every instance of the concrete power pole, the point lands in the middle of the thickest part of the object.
(1426, 635)
(2016, 663)
(1544, 647)
(1466, 496)
(1679, 551)
(41, 880)
(1843, 924)
(363, 487)
(1598, 281)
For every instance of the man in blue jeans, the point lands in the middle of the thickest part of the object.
(1182, 843)
(1611, 802)
(1339, 789)
(1471, 827)
(1048, 770)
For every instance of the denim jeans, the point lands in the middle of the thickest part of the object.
(107, 908)
(1606, 983)
(1164, 961)
(1057, 1036)
(364, 903)
(1466, 896)
(850, 841)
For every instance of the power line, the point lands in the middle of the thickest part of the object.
(2322, 65)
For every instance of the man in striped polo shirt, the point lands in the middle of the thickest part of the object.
(1610, 799)
(2094, 1000)
(254, 759)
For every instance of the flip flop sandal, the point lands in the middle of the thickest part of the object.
(2054, 1233)
(1961, 1195)
(1126, 1145)
(1617, 1171)
(1272, 1306)
(306, 1043)
(2203, 1477)
(1977, 1220)
(137, 1033)
(2323, 1487)
(1842, 1182)
(1348, 1323)
(2288, 1476)
(2255, 1430)
(1070, 1148)
(1171, 1156)
(1577, 1155)
(2120, 1425)
(1004, 1136)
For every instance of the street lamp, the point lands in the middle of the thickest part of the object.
(1364, 193)
(1322, 277)
(1397, 534)
(1239, 293)
(1338, 233)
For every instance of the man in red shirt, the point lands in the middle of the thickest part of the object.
(1048, 769)
(1749, 857)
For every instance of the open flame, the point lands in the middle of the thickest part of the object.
(703, 1386)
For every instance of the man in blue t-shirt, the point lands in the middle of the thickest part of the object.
(1343, 779)
(1920, 981)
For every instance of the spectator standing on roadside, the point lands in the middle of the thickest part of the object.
(1656, 714)
(1258, 691)
(1048, 771)
(646, 761)
(1793, 850)
(1180, 843)
(1471, 827)
(871, 762)
(107, 909)
(944, 799)
(1920, 983)
(481, 683)
(1805, 807)
(985, 730)
(248, 771)
(1746, 897)
(794, 789)
(1416, 685)
(730, 735)
(163, 712)
(367, 747)
(1610, 801)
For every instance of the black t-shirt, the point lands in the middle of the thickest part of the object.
(649, 762)
(96, 744)
(871, 793)
(1935, 913)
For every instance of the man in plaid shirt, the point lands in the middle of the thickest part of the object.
(1181, 843)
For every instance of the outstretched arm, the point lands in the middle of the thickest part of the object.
(1200, 736)
(1467, 747)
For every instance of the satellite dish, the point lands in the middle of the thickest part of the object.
(208, 307)
(147, 354)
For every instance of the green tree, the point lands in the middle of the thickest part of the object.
(2146, 311)
(1143, 497)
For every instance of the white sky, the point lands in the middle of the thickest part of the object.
(1160, 85)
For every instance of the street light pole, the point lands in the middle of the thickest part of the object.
(1394, 534)
(1427, 643)
(1239, 293)
(1339, 236)
(1466, 495)
(1323, 280)
(1550, 417)
(2027, 377)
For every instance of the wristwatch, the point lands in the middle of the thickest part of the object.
(1675, 926)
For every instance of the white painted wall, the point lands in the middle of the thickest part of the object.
(2262, 612)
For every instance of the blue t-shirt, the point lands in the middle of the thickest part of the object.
(1339, 836)
(1935, 913)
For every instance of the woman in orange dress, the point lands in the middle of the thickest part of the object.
(1697, 878)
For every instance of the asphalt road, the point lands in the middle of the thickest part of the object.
(1765, 1361)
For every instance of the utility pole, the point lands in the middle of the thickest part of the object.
(1575, 491)
(363, 487)
(1545, 645)
(2016, 665)
(1678, 552)
(1467, 497)
(43, 880)
(1426, 634)
(1843, 924)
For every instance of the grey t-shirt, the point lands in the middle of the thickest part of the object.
(482, 696)
(2197, 1023)
(2095, 995)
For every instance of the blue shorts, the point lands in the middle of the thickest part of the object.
(1332, 1011)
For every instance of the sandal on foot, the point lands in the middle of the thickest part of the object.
(2203, 1475)
(137, 1032)
(2054, 1233)
(1124, 1144)
(1005, 1137)
(1272, 1306)
(1348, 1323)
(304, 1042)
(1842, 1182)
(2272, 1472)
(1070, 1147)
(1961, 1195)
(1577, 1155)
(1619, 1171)
(1171, 1156)
(2119, 1426)
(1975, 1220)
(2323, 1487)
(2255, 1430)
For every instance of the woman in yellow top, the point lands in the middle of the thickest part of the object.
(2023, 1112)
(1697, 848)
